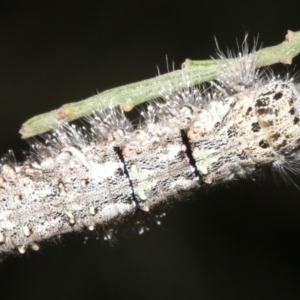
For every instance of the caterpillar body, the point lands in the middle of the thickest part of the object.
(196, 137)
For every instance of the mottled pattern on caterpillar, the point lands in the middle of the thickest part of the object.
(196, 137)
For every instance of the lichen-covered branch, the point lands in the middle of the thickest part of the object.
(133, 94)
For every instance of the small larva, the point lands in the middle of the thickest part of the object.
(196, 137)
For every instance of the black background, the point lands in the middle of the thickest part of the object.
(239, 241)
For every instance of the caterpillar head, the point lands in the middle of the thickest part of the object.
(277, 107)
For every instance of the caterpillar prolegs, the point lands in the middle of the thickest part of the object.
(199, 136)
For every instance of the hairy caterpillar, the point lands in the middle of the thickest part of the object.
(190, 139)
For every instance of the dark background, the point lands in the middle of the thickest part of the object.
(239, 241)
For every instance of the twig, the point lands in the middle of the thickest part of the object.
(133, 94)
